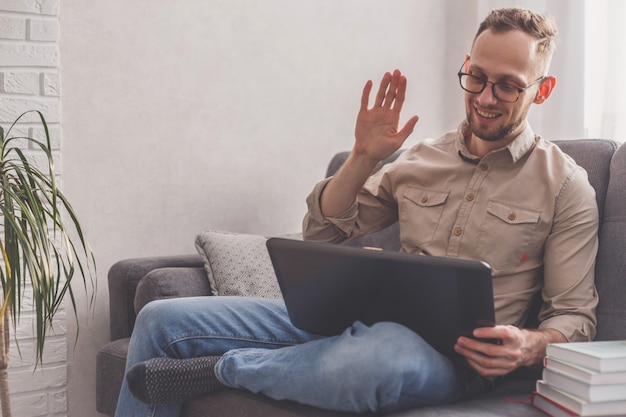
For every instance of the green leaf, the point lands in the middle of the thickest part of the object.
(40, 249)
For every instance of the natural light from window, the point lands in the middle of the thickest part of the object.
(605, 64)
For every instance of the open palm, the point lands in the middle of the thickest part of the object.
(377, 135)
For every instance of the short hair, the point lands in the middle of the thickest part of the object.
(540, 26)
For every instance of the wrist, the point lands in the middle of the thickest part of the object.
(536, 342)
(362, 162)
(342, 190)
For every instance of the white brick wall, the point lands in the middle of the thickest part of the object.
(29, 79)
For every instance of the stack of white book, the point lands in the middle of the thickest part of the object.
(583, 379)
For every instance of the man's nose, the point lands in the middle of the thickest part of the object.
(487, 97)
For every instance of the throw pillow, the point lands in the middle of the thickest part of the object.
(238, 264)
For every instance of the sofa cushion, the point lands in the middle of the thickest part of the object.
(510, 398)
(237, 264)
(110, 369)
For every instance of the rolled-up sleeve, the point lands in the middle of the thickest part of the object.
(569, 293)
(374, 209)
(316, 226)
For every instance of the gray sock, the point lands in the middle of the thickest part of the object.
(170, 381)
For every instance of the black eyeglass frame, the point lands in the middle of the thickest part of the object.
(520, 90)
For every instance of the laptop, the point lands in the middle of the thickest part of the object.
(327, 287)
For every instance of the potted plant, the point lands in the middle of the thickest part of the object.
(41, 251)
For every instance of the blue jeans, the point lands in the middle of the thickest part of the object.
(367, 368)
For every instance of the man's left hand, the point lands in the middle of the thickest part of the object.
(515, 347)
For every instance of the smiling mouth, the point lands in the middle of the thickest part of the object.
(486, 115)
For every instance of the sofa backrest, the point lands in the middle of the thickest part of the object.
(606, 168)
(611, 260)
(595, 156)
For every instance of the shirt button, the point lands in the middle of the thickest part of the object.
(484, 167)
(424, 199)
(469, 197)
(512, 216)
(458, 231)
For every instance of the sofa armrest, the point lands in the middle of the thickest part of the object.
(165, 283)
(123, 279)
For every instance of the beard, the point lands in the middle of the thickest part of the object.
(499, 134)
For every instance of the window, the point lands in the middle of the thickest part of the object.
(605, 74)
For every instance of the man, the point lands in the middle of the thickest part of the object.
(492, 190)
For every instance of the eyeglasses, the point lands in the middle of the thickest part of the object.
(502, 91)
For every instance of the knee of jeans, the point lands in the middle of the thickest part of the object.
(407, 365)
(147, 311)
(155, 315)
(383, 349)
(401, 349)
(390, 335)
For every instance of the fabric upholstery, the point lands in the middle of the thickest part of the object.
(611, 262)
(238, 264)
(110, 365)
(162, 283)
(595, 156)
(123, 279)
(511, 399)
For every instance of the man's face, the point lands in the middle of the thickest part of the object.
(508, 57)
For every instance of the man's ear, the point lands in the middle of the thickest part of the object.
(466, 63)
(545, 89)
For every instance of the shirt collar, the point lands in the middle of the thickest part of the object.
(521, 145)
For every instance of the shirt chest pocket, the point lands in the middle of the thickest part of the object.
(505, 234)
(420, 212)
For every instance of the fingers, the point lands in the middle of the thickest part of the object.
(408, 127)
(488, 367)
(490, 359)
(391, 91)
(400, 93)
(382, 90)
(365, 97)
(486, 361)
(504, 334)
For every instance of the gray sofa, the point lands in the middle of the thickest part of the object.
(135, 282)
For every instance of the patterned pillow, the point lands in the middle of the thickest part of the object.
(238, 264)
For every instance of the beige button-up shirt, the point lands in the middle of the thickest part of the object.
(527, 209)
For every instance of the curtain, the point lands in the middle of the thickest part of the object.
(605, 60)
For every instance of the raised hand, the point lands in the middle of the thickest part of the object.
(376, 133)
(377, 137)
